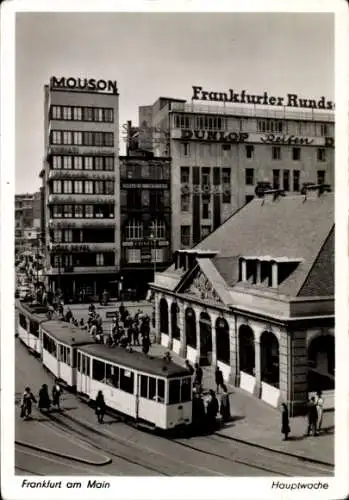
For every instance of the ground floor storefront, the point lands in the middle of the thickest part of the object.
(275, 361)
(83, 288)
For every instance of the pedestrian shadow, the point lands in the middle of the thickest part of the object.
(296, 438)
(327, 430)
(231, 422)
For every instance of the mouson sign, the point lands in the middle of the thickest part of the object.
(87, 84)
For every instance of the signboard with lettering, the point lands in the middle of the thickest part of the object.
(70, 248)
(144, 186)
(286, 139)
(264, 99)
(144, 244)
(205, 189)
(213, 136)
(84, 84)
(75, 150)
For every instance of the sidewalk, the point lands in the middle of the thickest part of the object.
(260, 424)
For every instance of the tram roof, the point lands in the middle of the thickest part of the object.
(35, 312)
(136, 360)
(66, 333)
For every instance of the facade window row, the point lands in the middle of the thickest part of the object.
(134, 230)
(88, 259)
(138, 199)
(82, 113)
(82, 187)
(68, 162)
(145, 172)
(134, 255)
(199, 122)
(106, 235)
(85, 211)
(321, 153)
(81, 138)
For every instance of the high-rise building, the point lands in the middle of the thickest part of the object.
(220, 152)
(27, 220)
(81, 186)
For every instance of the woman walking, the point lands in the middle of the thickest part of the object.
(225, 405)
(26, 405)
(44, 398)
(285, 422)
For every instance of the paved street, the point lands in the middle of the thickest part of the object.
(133, 452)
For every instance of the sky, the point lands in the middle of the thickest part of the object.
(164, 54)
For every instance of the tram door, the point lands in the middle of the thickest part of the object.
(83, 373)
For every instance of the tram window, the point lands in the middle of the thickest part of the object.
(126, 380)
(88, 366)
(115, 377)
(78, 361)
(144, 386)
(61, 353)
(185, 390)
(152, 388)
(109, 374)
(34, 328)
(68, 355)
(98, 370)
(161, 390)
(75, 353)
(22, 321)
(83, 368)
(174, 392)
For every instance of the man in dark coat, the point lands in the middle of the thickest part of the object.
(285, 422)
(225, 405)
(56, 394)
(312, 417)
(219, 378)
(211, 411)
(198, 375)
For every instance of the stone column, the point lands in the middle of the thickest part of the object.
(170, 341)
(183, 336)
(259, 272)
(258, 386)
(198, 343)
(214, 317)
(284, 367)
(234, 377)
(243, 270)
(157, 299)
(274, 275)
(298, 387)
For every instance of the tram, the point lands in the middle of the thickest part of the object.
(147, 389)
(28, 320)
(59, 342)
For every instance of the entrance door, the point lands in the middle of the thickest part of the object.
(205, 341)
(83, 374)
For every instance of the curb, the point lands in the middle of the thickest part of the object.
(281, 452)
(61, 455)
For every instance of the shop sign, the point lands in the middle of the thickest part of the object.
(264, 99)
(206, 189)
(70, 248)
(213, 136)
(90, 84)
(144, 186)
(286, 139)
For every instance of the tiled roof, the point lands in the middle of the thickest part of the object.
(290, 226)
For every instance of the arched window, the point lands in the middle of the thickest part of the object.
(246, 350)
(223, 341)
(190, 327)
(174, 321)
(134, 230)
(157, 229)
(163, 311)
(321, 367)
(269, 359)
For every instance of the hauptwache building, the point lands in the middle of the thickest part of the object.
(221, 150)
(256, 297)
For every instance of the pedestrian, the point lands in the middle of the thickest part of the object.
(225, 405)
(285, 421)
(135, 333)
(320, 409)
(198, 376)
(44, 398)
(219, 378)
(26, 404)
(198, 413)
(189, 367)
(211, 411)
(312, 417)
(56, 394)
(100, 407)
(145, 344)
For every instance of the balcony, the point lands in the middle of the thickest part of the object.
(63, 271)
(98, 175)
(61, 223)
(82, 247)
(91, 199)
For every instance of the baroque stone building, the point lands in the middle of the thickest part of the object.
(256, 297)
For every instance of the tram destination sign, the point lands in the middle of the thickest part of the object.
(84, 84)
(264, 99)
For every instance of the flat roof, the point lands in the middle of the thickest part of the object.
(66, 333)
(136, 360)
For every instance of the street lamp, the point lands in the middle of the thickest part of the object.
(153, 239)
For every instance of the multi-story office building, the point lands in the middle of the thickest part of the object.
(27, 221)
(80, 181)
(145, 220)
(219, 153)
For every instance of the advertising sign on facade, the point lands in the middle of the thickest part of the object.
(264, 99)
(213, 136)
(87, 84)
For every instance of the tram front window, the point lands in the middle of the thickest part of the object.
(161, 390)
(174, 392)
(185, 390)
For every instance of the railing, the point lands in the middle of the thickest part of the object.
(81, 223)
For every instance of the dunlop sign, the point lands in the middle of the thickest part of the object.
(210, 135)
